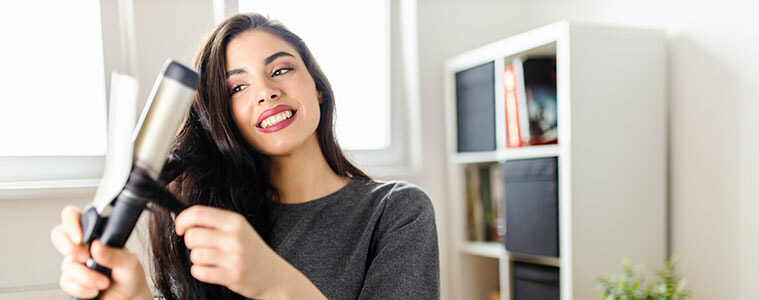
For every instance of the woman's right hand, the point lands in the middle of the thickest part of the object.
(127, 276)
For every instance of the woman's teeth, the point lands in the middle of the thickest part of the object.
(270, 121)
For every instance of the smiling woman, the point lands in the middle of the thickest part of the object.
(266, 87)
(277, 211)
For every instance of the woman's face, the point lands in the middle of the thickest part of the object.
(274, 101)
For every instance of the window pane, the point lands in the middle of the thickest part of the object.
(349, 39)
(53, 100)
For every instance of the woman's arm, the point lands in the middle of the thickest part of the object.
(293, 284)
(404, 263)
(226, 250)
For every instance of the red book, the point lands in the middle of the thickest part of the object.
(517, 130)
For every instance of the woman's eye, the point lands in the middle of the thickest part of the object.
(281, 71)
(238, 88)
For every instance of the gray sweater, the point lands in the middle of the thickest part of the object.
(368, 240)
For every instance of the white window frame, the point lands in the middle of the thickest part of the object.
(403, 156)
(44, 172)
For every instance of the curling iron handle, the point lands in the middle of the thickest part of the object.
(126, 212)
(91, 223)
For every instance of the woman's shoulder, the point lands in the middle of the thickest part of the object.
(399, 197)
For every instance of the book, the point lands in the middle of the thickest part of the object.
(499, 224)
(539, 74)
(517, 122)
(530, 98)
(485, 214)
(469, 206)
(486, 198)
(475, 223)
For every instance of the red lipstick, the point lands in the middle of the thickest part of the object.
(273, 111)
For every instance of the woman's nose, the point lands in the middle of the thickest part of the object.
(267, 97)
(267, 93)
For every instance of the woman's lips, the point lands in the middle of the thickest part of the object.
(273, 111)
(279, 126)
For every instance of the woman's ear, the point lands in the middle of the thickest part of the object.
(320, 96)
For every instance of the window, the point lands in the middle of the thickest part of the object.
(54, 100)
(353, 51)
(53, 107)
(367, 49)
(53, 115)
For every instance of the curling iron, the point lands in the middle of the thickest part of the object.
(120, 197)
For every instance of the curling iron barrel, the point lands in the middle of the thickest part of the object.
(154, 135)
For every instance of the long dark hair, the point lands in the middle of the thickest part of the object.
(212, 164)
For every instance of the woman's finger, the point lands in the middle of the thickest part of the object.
(61, 241)
(208, 257)
(212, 275)
(66, 247)
(70, 220)
(111, 258)
(205, 216)
(74, 289)
(85, 277)
(199, 237)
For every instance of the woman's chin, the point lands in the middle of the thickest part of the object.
(286, 144)
(278, 149)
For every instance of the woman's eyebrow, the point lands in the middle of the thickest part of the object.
(274, 56)
(267, 61)
(233, 72)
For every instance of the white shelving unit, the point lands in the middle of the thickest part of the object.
(612, 151)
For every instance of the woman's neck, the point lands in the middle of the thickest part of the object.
(304, 174)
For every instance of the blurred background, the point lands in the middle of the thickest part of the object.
(385, 59)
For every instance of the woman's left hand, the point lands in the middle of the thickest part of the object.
(226, 250)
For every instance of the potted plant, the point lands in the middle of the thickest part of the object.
(630, 285)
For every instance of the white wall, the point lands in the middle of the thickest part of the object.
(28, 261)
(714, 88)
(167, 29)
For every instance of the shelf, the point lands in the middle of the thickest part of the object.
(475, 157)
(507, 154)
(535, 259)
(497, 250)
(487, 249)
(596, 106)
(529, 152)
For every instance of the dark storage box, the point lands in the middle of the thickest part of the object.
(475, 108)
(535, 282)
(532, 206)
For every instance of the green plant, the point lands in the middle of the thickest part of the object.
(630, 285)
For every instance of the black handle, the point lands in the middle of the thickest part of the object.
(91, 224)
(120, 224)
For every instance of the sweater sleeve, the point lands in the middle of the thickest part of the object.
(405, 263)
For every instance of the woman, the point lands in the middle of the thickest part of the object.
(277, 211)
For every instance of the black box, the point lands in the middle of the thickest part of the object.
(475, 108)
(532, 206)
(535, 282)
